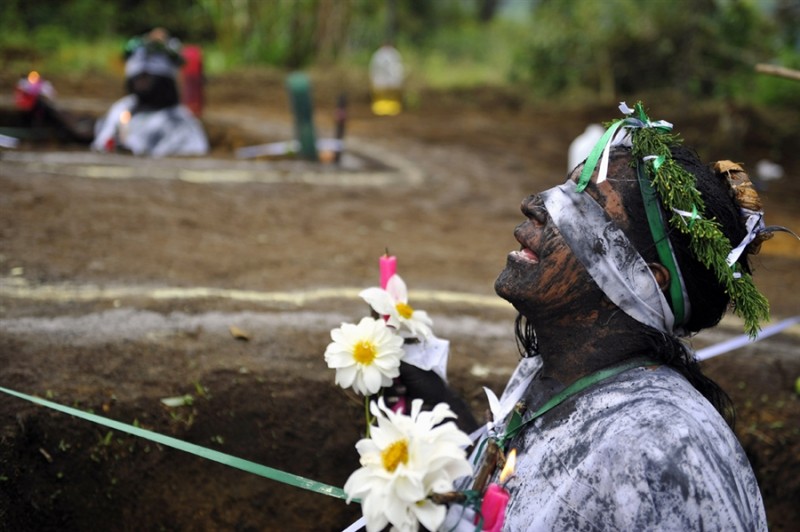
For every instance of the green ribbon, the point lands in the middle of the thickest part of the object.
(573, 389)
(695, 215)
(594, 156)
(629, 121)
(658, 230)
(191, 448)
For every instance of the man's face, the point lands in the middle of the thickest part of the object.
(543, 277)
(142, 84)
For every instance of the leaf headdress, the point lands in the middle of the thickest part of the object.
(669, 191)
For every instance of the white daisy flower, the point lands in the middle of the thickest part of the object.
(407, 458)
(365, 356)
(393, 302)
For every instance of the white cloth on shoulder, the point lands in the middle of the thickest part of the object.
(640, 451)
(169, 131)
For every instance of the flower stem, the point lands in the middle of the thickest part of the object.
(366, 413)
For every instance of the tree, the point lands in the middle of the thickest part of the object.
(623, 46)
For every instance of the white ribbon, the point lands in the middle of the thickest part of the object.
(754, 224)
(622, 137)
(685, 214)
(609, 257)
(501, 409)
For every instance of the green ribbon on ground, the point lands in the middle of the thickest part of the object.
(191, 448)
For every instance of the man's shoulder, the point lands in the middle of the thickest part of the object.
(653, 409)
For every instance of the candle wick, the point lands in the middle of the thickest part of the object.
(386, 253)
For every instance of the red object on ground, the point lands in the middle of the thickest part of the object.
(28, 90)
(24, 100)
(192, 72)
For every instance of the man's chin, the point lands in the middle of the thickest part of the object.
(503, 286)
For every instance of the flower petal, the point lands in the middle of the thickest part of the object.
(346, 376)
(380, 300)
(399, 514)
(409, 488)
(336, 357)
(372, 506)
(396, 288)
(418, 327)
(421, 316)
(430, 515)
(372, 380)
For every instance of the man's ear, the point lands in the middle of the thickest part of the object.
(660, 273)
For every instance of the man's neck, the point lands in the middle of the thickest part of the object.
(571, 349)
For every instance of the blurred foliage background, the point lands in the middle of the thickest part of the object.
(560, 50)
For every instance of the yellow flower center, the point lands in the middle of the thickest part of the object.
(404, 309)
(394, 455)
(364, 352)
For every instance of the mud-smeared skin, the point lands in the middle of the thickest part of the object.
(579, 329)
(555, 287)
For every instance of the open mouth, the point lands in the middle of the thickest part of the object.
(526, 255)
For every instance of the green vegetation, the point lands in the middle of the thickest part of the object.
(554, 49)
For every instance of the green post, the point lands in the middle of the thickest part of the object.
(300, 96)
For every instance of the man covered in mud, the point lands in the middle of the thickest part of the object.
(615, 425)
(151, 120)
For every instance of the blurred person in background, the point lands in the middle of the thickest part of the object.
(150, 119)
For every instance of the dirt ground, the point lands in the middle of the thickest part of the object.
(124, 281)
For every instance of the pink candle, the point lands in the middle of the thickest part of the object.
(493, 508)
(388, 264)
(495, 499)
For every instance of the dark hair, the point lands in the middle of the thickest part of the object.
(525, 334)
